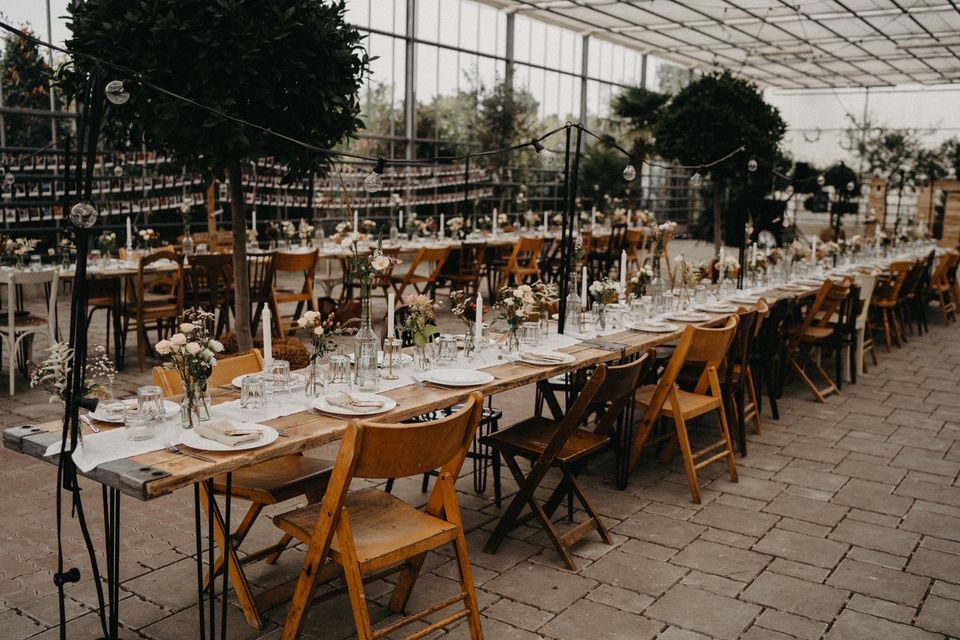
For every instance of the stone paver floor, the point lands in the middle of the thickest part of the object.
(845, 524)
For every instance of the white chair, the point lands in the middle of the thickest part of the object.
(17, 328)
(866, 284)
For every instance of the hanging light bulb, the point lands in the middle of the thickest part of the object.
(118, 166)
(9, 179)
(374, 180)
(851, 186)
(752, 165)
(864, 189)
(629, 173)
(696, 179)
(821, 180)
(116, 93)
(185, 207)
(83, 215)
(547, 158)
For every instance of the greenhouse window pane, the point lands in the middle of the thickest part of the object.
(449, 23)
(427, 17)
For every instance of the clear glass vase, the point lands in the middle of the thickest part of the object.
(600, 310)
(468, 344)
(421, 361)
(656, 285)
(573, 308)
(196, 404)
(315, 378)
(188, 245)
(513, 339)
(366, 344)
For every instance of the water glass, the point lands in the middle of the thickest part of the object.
(530, 334)
(447, 346)
(150, 398)
(392, 355)
(35, 263)
(669, 302)
(339, 376)
(280, 376)
(139, 424)
(253, 390)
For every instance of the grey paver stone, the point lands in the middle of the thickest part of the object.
(801, 547)
(633, 572)
(792, 595)
(852, 625)
(540, 586)
(703, 611)
(873, 536)
(880, 582)
(659, 529)
(588, 619)
(730, 562)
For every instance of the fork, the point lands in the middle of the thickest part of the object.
(87, 421)
(172, 448)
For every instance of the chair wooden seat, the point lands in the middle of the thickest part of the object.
(384, 528)
(691, 404)
(530, 438)
(815, 334)
(277, 480)
(815, 331)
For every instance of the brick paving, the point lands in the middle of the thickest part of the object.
(845, 525)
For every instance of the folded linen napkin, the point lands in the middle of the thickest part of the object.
(542, 357)
(224, 432)
(347, 401)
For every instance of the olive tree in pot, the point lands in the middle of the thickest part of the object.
(711, 117)
(294, 67)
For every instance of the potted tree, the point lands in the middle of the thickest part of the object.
(289, 67)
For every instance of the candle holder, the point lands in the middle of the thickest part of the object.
(391, 350)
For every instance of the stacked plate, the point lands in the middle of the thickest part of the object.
(717, 307)
(368, 399)
(192, 439)
(545, 358)
(103, 412)
(652, 326)
(453, 377)
(687, 316)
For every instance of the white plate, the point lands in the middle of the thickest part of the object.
(525, 356)
(297, 380)
(389, 404)
(745, 299)
(717, 308)
(793, 287)
(656, 327)
(458, 377)
(405, 358)
(194, 440)
(171, 409)
(688, 317)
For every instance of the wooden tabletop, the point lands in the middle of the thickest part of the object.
(154, 474)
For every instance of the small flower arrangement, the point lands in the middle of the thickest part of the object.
(515, 305)
(415, 226)
(619, 216)
(774, 256)
(605, 291)
(421, 323)
(107, 241)
(368, 226)
(289, 230)
(456, 225)
(251, 236)
(638, 283)
(545, 294)
(304, 230)
(321, 331)
(272, 232)
(365, 266)
(557, 219)
(686, 274)
(54, 373)
(800, 251)
(829, 249)
(728, 267)
(661, 236)
(21, 246)
(148, 238)
(191, 352)
(503, 222)
(856, 244)
(344, 227)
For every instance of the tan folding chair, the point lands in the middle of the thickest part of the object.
(302, 263)
(523, 265)
(370, 532)
(154, 297)
(751, 409)
(262, 484)
(701, 347)
(816, 330)
(563, 444)
(433, 258)
(886, 296)
(940, 286)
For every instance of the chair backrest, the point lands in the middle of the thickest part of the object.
(148, 279)
(774, 329)
(223, 373)
(827, 303)
(866, 282)
(952, 269)
(617, 390)
(618, 235)
(261, 268)
(525, 253)
(209, 280)
(763, 310)
(738, 354)
(701, 346)
(912, 280)
(409, 449)
(49, 279)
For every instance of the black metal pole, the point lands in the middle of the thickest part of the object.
(565, 247)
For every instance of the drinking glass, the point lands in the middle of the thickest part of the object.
(339, 377)
(150, 398)
(253, 389)
(530, 334)
(112, 409)
(139, 424)
(35, 263)
(447, 346)
(280, 376)
(669, 302)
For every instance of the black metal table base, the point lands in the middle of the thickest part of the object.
(206, 595)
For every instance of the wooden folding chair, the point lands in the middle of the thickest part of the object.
(706, 348)
(306, 265)
(262, 484)
(433, 258)
(886, 295)
(464, 273)
(816, 330)
(371, 532)
(738, 381)
(261, 268)
(208, 284)
(562, 443)
(940, 286)
(154, 297)
(523, 264)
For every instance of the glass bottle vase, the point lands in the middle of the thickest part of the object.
(366, 344)
(196, 404)
(656, 285)
(315, 379)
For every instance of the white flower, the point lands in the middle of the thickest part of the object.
(178, 339)
(193, 348)
(213, 362)
(163, 347)
(207, 354)
(517, 293)
(380, 263)
(318, 330)
(187, 327)
(215, 345)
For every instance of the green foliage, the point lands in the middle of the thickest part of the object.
(714, 115)
(950, 154)
(839, 176)
(885, 152)
(25, 79)
(449, 119)
(507, 116)
(640, 107)
(601, 175)
(294, 66)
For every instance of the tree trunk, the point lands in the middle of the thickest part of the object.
(241, 275)
(717, 208)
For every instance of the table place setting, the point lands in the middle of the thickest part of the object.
(224, 435)
(354, 404)
(653, 326)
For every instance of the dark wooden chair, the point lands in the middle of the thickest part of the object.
(261, 269)
(154, 297)
(304, 264)
(769, 357)
(208, 284)
(464, 268)
(564, 444)
(817, 330)
(735, 371)
(371, 532)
